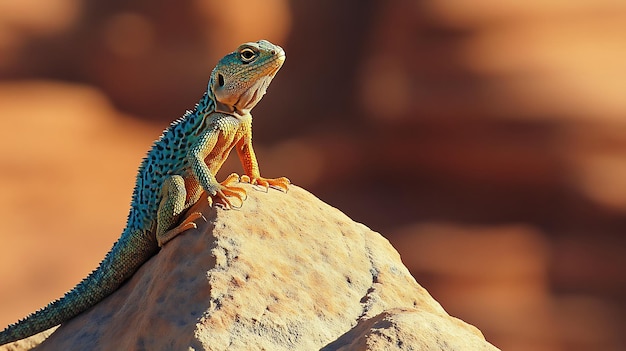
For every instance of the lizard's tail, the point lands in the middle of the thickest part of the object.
(116, 267)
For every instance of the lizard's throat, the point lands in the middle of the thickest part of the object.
(243, 103)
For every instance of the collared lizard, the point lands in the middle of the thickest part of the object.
(180, 165)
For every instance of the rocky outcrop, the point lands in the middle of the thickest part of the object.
(283, 272)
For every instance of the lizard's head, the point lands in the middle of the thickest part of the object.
(241, 78)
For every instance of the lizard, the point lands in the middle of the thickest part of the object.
(181, 164)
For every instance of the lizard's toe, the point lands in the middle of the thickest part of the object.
(224, 193)
(281, 183)
(232, 178)
(186, 224)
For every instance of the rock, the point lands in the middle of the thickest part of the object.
(28, 343)
(410, 329)
(283, 272)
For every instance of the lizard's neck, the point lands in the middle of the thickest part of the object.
(213, 104)
(231, 110)
(240, 103)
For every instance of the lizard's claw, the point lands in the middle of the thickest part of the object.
(281, 183)
(186, 224)
(224, 190)
(222, 197)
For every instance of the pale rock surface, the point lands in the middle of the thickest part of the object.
(283, 272)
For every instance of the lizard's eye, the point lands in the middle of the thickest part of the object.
(247, 55)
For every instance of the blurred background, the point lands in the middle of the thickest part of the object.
(485, 139)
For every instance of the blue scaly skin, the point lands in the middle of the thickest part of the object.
(180, 165)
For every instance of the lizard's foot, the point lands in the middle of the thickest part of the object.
(225, 190)
(186, 224)
(281, 183)
(232, 178)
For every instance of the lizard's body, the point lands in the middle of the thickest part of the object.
(180, 165)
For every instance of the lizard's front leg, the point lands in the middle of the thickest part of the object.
(218, 192)
(251, 167)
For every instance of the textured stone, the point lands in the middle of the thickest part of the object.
(283, 272)
(410, 329)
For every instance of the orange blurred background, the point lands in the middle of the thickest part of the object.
(485, 139)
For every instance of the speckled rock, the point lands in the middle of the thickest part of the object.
(283, 272)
